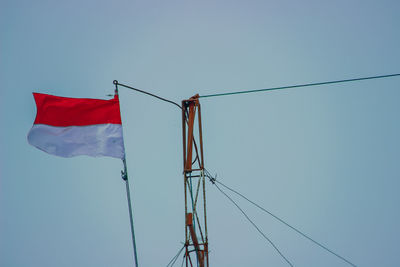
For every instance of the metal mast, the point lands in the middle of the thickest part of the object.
(196, 238)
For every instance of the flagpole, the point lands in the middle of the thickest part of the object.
(124, 175)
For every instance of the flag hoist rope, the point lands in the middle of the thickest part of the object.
(124, 175)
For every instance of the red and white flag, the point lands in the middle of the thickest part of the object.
(69, 127)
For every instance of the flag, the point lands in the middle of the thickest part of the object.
(69, 127)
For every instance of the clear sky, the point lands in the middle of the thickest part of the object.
(325, 159)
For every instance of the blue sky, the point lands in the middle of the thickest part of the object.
(323, 158)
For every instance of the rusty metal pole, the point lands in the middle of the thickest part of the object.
(194, 218)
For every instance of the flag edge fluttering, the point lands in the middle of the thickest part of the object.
(97, 134)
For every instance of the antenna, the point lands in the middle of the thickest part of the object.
(196, 237)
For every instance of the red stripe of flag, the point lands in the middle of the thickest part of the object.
(66, 111)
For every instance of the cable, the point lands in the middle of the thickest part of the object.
(300, 85)
(183, 259)
(213, 180)
(147, 93)
(174, 259)
(158, 97)
(255, 226)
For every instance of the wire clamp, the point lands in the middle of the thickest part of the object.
(124, 175)
(212, 179)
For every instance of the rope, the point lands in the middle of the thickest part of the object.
(191, 197)
(301, 85)
(174, 259)
(213, 180)
(255, 226)
(183, 259)
(147, 93)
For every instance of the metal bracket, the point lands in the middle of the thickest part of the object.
(124, 175)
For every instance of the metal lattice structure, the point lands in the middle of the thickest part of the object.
(196, 239)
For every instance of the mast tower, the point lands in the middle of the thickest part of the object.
(196, 236)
